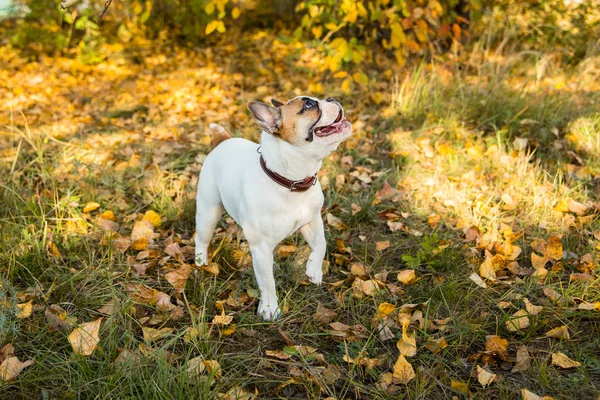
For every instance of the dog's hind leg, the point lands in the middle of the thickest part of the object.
(208, 211)
(314, 235)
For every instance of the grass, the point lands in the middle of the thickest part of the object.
(445, 141)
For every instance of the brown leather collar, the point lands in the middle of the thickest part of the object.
(294, 186)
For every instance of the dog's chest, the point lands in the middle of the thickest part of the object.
(291, 216)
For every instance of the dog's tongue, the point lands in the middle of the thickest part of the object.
(329, 128)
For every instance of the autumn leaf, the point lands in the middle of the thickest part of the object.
(403, 371)
(497, 345)
(368, 363)
(153, 335)
(222, 319)
(576, 207)
(478, 281)
(460, 387)
(335, 222)
(178, 277)
(24, 310)
(152, 217)
(11, 367)
(379, 246)
(518, 321)
(385, 309)
(362, 288)
(532, 309)
(523, 361)
(324, 314)
(528, 395)
(554, 248)
(213, 368)
(484, 376)
(407, 276)
(563, 361)
(91, 206)
(195, 366)
(85, 338)
(559, 333)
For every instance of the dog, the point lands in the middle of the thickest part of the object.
(271, 190)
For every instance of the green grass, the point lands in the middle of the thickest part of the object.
(471, 116)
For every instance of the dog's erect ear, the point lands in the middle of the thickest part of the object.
(267, 117)
(276, 103)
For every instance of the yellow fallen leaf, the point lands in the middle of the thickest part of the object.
(153, 335)
(213, 368)
(86, 337)
(25, 309)
(361, 288)
(222, 319)
(368, 363)
(486, 269)
(108, 215)
(230, 330)
(497, 345)
(11, 367)
(576, 207)
(406, 276)
(478, 281)
(403, 371)
(385, 309)
(142, 233)
(561, 360)
(518, 321)
(152, 217)
(178, 277)
(324, 314)
(91, 206)
(532, 309)
(562, 332)
(461, 387)
(195, 366)
(527, 395)
(538, 261)
(562, 206)
(335, 222)
(407, 345)
(484, 376)
(379, 246)
(554, 248)
(436, 345)
(523, 361)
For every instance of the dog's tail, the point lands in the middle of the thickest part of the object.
(219, 134)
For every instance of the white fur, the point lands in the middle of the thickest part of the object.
(233, 180)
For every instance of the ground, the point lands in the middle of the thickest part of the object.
(462, 221)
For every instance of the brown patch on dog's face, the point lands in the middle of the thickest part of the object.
(298, 117)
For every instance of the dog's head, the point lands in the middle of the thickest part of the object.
(305, 122)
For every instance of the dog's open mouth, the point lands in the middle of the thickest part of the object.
(336, 127)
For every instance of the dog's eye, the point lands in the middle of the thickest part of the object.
(309, 103)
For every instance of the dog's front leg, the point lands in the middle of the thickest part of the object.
(314, 235)
(262, 260)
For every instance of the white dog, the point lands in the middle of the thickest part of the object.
(272, 190)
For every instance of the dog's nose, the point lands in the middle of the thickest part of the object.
(330, 99)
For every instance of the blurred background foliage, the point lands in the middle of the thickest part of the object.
(352, 37)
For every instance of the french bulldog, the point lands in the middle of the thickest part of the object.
(271, 189)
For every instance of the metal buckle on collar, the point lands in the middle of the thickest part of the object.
(293, 186)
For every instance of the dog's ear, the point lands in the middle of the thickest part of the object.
(276, 103)
(267, 117)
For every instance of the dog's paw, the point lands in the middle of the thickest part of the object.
(315, 276)
(269, 311)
